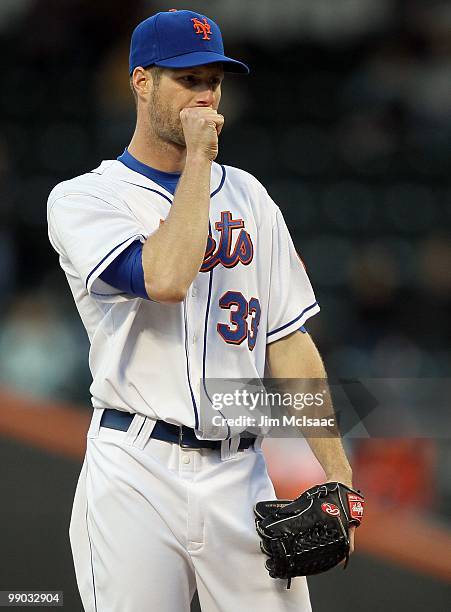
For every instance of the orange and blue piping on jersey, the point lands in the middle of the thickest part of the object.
(243, 251)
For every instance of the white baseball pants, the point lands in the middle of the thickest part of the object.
(151, 522)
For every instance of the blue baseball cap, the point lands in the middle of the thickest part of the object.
(179, 39)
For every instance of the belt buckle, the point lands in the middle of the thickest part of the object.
(182, 445)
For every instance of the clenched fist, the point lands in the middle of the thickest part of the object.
(201, 128)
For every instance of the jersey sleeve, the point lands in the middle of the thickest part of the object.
(126, 272)
(89, 232)
(291, 297)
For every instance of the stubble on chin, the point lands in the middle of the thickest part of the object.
(166, 126)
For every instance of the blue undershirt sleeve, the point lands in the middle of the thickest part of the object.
(126, 272)
(303, 329)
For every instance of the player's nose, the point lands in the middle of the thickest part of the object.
(205, 97)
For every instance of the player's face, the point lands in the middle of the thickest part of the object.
(179, 89)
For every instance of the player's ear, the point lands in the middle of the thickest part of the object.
(141, 82)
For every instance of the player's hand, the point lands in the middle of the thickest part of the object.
(351, 532)
(201, 128)
(351, 539)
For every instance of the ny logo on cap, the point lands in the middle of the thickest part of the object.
(202, 27)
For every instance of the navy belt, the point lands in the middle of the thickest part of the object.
(178, 434)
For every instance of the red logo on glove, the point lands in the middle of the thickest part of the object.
(355, 503)
(331, 509)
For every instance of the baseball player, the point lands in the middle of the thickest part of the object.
(182, 270)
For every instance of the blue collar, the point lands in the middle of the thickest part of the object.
(168, 180)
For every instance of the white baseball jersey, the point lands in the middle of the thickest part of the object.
(152, 358)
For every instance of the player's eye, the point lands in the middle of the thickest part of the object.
(189, 79)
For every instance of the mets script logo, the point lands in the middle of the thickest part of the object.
(243, 249)
(202, 27)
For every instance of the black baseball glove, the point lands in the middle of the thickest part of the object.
(309, 535)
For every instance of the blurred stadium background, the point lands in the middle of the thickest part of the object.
(346, 118)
